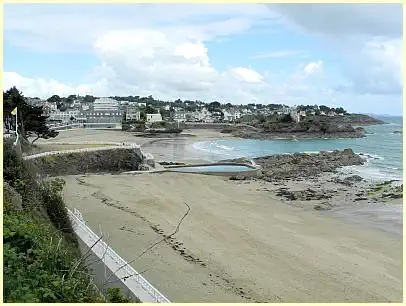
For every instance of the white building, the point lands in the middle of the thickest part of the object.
(154, 117)
(179, 116)
(132, 113)
(105, 104)
(64, 116)
(294, 115)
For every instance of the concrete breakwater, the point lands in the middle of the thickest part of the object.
(91, 160)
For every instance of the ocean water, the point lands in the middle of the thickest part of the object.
(382, 148)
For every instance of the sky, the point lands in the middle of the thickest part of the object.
(347, 55)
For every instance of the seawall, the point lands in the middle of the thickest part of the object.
(97, 160)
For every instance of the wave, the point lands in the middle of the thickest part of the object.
(370, 156)
(224, 147)
(214, 148)
(372, 173)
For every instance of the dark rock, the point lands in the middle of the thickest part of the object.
(301, 165)
(322, 206)
(349, 180)
(238, 178)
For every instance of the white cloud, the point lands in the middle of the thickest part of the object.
(246, 75)
(313, 67)
(163, 51)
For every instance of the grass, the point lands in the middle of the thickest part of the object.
(40, 148)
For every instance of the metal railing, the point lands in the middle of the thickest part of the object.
(78, 221)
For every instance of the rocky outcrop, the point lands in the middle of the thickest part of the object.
(306, 129)
(303, 195)
(349, 180)
(300, 165)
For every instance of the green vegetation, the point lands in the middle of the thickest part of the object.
(31, 121)
(42, 261)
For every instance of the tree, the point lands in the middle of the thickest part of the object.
(164, 113)
(150, 110)
(143, 116)
(89, 99)
(62, 107)
(214, 106)
(54, 99)
(30, 118)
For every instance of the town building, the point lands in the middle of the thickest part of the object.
(105, 104)
(132, 113)
(179, 116)
(93, 116)
(154, 117)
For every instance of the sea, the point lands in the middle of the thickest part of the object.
(382, 148)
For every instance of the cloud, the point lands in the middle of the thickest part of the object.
(163, 51)
(313, 67)
(344, 19)
(367, 39)
(246, 75)
(278, 54)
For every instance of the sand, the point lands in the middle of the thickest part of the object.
(238, 243)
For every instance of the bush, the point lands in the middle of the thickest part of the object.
(37, 261)
(51, 193)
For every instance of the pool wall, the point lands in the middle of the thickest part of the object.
(248, 173)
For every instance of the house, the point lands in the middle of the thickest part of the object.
(132, 113)
(294, 115)
(154, 117)
(142, 104)
(331, 113)
(302, 113)
(179, 116)
(322, 113)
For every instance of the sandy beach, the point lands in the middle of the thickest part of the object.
(240, 242)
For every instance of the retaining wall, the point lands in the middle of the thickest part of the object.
(91, 160)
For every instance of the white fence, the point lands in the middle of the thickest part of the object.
(135, 282)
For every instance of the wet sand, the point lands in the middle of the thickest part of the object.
(163, 149)
(238, 243)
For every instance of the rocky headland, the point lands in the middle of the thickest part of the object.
(312, 127)
(313, 178)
